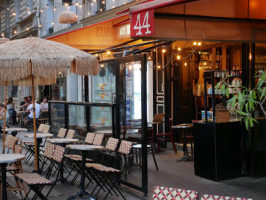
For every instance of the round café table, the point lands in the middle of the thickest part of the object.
(186, 128)
(14, 131)
(4, 160)
(62, 142)
(84, 148)
(39, 137)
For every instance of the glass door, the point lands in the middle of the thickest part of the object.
(131, 102)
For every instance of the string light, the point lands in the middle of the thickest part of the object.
(77, 3)
(15, 32)
(194, 43)
(103, 2)
(89, 13)
(102, 65)
(66, 4)
(54, 8)
(113, 6)
(185, 64)
(14, 14)
(27, 29)
(41, 10)
(40, 26)
(91, 4)
(101, 9)
(130, 67)
(199, 43)
(179, 49)
(163, 50)
(109, 52)
(2, 34)
(8, 8)
(159, 67)
(52, 23)
(178, 57)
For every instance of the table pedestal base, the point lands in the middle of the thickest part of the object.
(185, 158)
(82, 193)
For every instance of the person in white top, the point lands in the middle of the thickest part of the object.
(37, 110)
(44, 104)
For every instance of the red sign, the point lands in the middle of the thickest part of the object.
(142, 24)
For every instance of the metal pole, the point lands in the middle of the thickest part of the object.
(34, 121)
(4, 131)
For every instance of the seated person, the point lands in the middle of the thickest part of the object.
(30, 109)
(2, 113)
(11, 109)
(44, 104)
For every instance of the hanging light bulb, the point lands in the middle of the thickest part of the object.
(2, 34)
(102, 65)
(89, 13)
(194, 43)
(113, 6)
(54, 8)
(14, 14)
(41, 10)
(91, 4)
(179, 49)
(199, 43)
(94, 0)
(77, 3)
(158, 66)
(52, 23)
(15, 32)
(178, 57)
(103, 2)
(28, 11)
(80, 6)
(27, 29)
(101, 10)
(130, 67)
(66, 4)
(109, 52)
(185, 64)
(40, 26)
(7, 8)
(163, 50)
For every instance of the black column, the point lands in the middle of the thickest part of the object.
(144, 123)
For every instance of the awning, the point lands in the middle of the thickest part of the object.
(206, 20)
(156, 4)
(97, 36)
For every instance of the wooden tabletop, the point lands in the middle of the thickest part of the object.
(16, 129)
(84, 147)
(9, 158)
(39, 135)
(62, 140)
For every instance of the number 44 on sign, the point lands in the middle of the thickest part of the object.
(142, 24)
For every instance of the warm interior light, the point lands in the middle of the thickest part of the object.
(179, 49)
(178, 57)
(130, 67)
(250, 56)
(108, 52)
(194, 43)
(199, 43)
(102, 65)
(159, 67)
(163, 50)
(185, 64)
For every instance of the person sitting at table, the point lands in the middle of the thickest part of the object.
(30, 109)
(2, 113)
(11, 109)
(25, 104)
(44, 104)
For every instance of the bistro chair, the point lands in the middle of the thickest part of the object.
(9, 142)
(165, 193)
(89, 138)
(98, 139)
(112, 145)
(216, 197)
(150, 146)
(106, 173)
(70, 134)
(16, 168)
(36, 182)
(125, 149)
(166, 137)
(61, 133)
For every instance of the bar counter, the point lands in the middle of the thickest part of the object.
(217, 152)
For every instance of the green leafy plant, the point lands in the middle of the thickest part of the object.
(245, 101)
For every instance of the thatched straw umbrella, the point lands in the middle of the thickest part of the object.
(2, 41)
(34, 61)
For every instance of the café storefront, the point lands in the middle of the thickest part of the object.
(210, 37)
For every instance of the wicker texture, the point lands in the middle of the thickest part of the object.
(98, 139)
(89, 138)
(70, 134)
(112, 144)
(61, 132)
(125, 147)
(165, 193)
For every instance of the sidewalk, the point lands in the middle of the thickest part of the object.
(173, 174)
